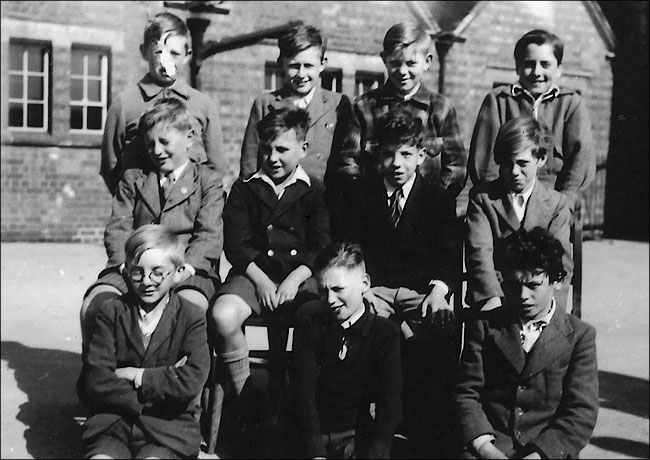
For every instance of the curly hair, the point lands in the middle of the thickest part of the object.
(399, 126)
(534, 251)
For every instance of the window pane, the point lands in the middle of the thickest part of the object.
(94, 90)
(16, 86)
(76, 117)
(15, 114)
(94, 118)
(77, 64)
(34, 58)
(35, 88)
(35, 115)
(94, 63)
(76, 89)
(16, 57)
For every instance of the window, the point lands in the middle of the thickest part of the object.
(365, 81)
(273, 76)
(332, 79)
(29, 86)
(88, 89)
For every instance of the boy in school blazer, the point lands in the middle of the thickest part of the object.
(527, 384)
(492, 212)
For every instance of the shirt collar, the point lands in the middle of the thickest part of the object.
(298, 174)
(553, 92)
(406, 188)
(526, 194)
(356, 316)
(155, 313)
(544, 320)
(177, 172)
(307, 98)
(152, 89)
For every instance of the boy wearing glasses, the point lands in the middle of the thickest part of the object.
(147, 358)
(178, 192)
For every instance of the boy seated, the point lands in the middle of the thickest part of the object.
(184, 195)
(275, 223)
(528, 379)
(406, 226)
(147, 358)
(571, 163)
(346, 370)
(167, 48)
(407, 56)
(517, 199)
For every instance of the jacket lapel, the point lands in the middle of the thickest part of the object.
(129, 323)
(292, 194)
(503, 207)
(411, 201)
(149, 190)
(508, 340)
(538, 209)
(551, 343)
(318, 107)
(184, 186)
(165, 327)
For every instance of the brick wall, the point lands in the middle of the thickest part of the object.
(51, 190)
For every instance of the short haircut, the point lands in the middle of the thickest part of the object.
(519, 134)
(538, 37)
(534, 251)
(163, 23)
(170, 111)
(346, 254)
(280, 120)
(154, 236)
(399, 126)
(405, 34)
(300, 38)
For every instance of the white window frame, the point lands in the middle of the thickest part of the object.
(337, 79)
(275, 72)
(361, 75)
(24, 100)
(84, 103)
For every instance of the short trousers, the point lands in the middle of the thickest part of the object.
(339, 445)
(206, 285)
(124, 440)
(243, 287)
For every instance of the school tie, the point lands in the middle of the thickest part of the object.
(167, 185)
(520, 210)
(395, 207)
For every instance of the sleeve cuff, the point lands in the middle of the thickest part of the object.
(481, 440)
(434, 283)
(138, 378)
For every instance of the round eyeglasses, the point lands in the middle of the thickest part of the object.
(155, 276)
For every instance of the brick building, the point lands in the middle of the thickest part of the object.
(62, 62)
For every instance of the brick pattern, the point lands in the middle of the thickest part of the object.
(53, 192)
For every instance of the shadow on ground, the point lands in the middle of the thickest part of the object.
(624, 393)
(633, 449)
(48, 378)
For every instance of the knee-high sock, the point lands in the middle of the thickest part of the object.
(238, 367)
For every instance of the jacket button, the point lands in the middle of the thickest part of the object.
(517, 434)
(269, 227)
(519, 411)
(293, 252)
(319, 156)
(270, 253)
(521, 387)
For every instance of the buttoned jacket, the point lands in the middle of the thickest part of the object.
(278, 235)
(193, 210)
(546, 400)
(491, 218)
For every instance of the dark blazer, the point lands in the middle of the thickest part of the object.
(547, 400)
(278, 235)
(333, 134)
(491, 218)
(193, 210)
(446, 161)
(164, 406)
(424, 246)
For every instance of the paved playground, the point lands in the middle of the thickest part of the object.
(42, 285)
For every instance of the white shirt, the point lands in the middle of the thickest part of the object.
(552, 92)
(148, 322)
(520, 201)
(177, 173)
(298, 174)
(530, 333)
(354, 318)
(412, 92)
(303, 102)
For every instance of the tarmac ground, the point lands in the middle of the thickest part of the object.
(42, 285)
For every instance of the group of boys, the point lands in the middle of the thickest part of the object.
(344, 220)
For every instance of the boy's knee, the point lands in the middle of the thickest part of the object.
(228, 314)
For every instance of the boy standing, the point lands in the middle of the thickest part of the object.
(407, 57)
(167, 48)
(346, 360)
(571, 163)
(275, 223)
(406, 226)
(333, 129)
(517, 199)
(147, 359)
(184, 195)
(528, 378)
